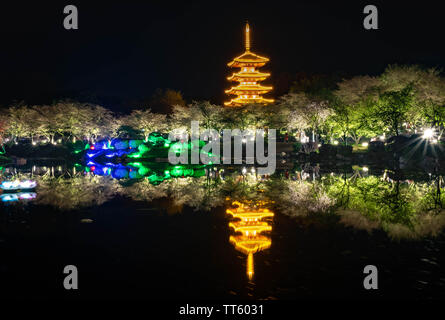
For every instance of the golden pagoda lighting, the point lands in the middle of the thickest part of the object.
(249, 90)
(249, 228)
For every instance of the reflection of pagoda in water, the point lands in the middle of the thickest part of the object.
(249, 89)
(249, 226)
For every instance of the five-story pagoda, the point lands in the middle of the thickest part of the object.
(249, 90)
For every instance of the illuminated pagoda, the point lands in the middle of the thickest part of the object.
(249, 90)
(249, 226)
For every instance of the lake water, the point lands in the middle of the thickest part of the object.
(167, 233)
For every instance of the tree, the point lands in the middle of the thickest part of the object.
(306, 113)
(340, 121)
(146, 121)
(293, 102)
(320, 86)
(208, 115)
(100, 122)
(3, 131)
(435, 115)
(351, 99)
(163, 101)
(274, 116)
(347, 121)
(428, 89)
(18, 121)
(72, 119)
(248, 117)
(50, 119)
(357, 90)
(391, 110)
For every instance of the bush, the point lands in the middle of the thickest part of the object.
(344, 150)
(121, 145)
(376, 146)
(79, 145)
(328, 150)
(135, 143)
(297, 146)
(397, 143)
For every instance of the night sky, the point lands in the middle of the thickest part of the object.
(124, 50)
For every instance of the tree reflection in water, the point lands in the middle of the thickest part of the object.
(75, 191)
(401, 207)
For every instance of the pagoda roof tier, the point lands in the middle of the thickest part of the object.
(247, 244)
(250, 228)
(248, 59)
(242, 101)
(250, 214)
(248, 89)
(256, 75)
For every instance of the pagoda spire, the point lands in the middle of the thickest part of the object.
(247, 36)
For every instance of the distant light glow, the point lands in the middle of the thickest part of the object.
(10, 197)
(365, 144)
(18, 184)
(428, 133)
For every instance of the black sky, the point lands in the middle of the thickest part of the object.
(124, 50)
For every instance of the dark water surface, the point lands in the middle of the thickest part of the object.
(134, 249)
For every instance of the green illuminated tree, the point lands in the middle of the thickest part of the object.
(351, 102)
(391, 110)
(435, 115)
(428, 93)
